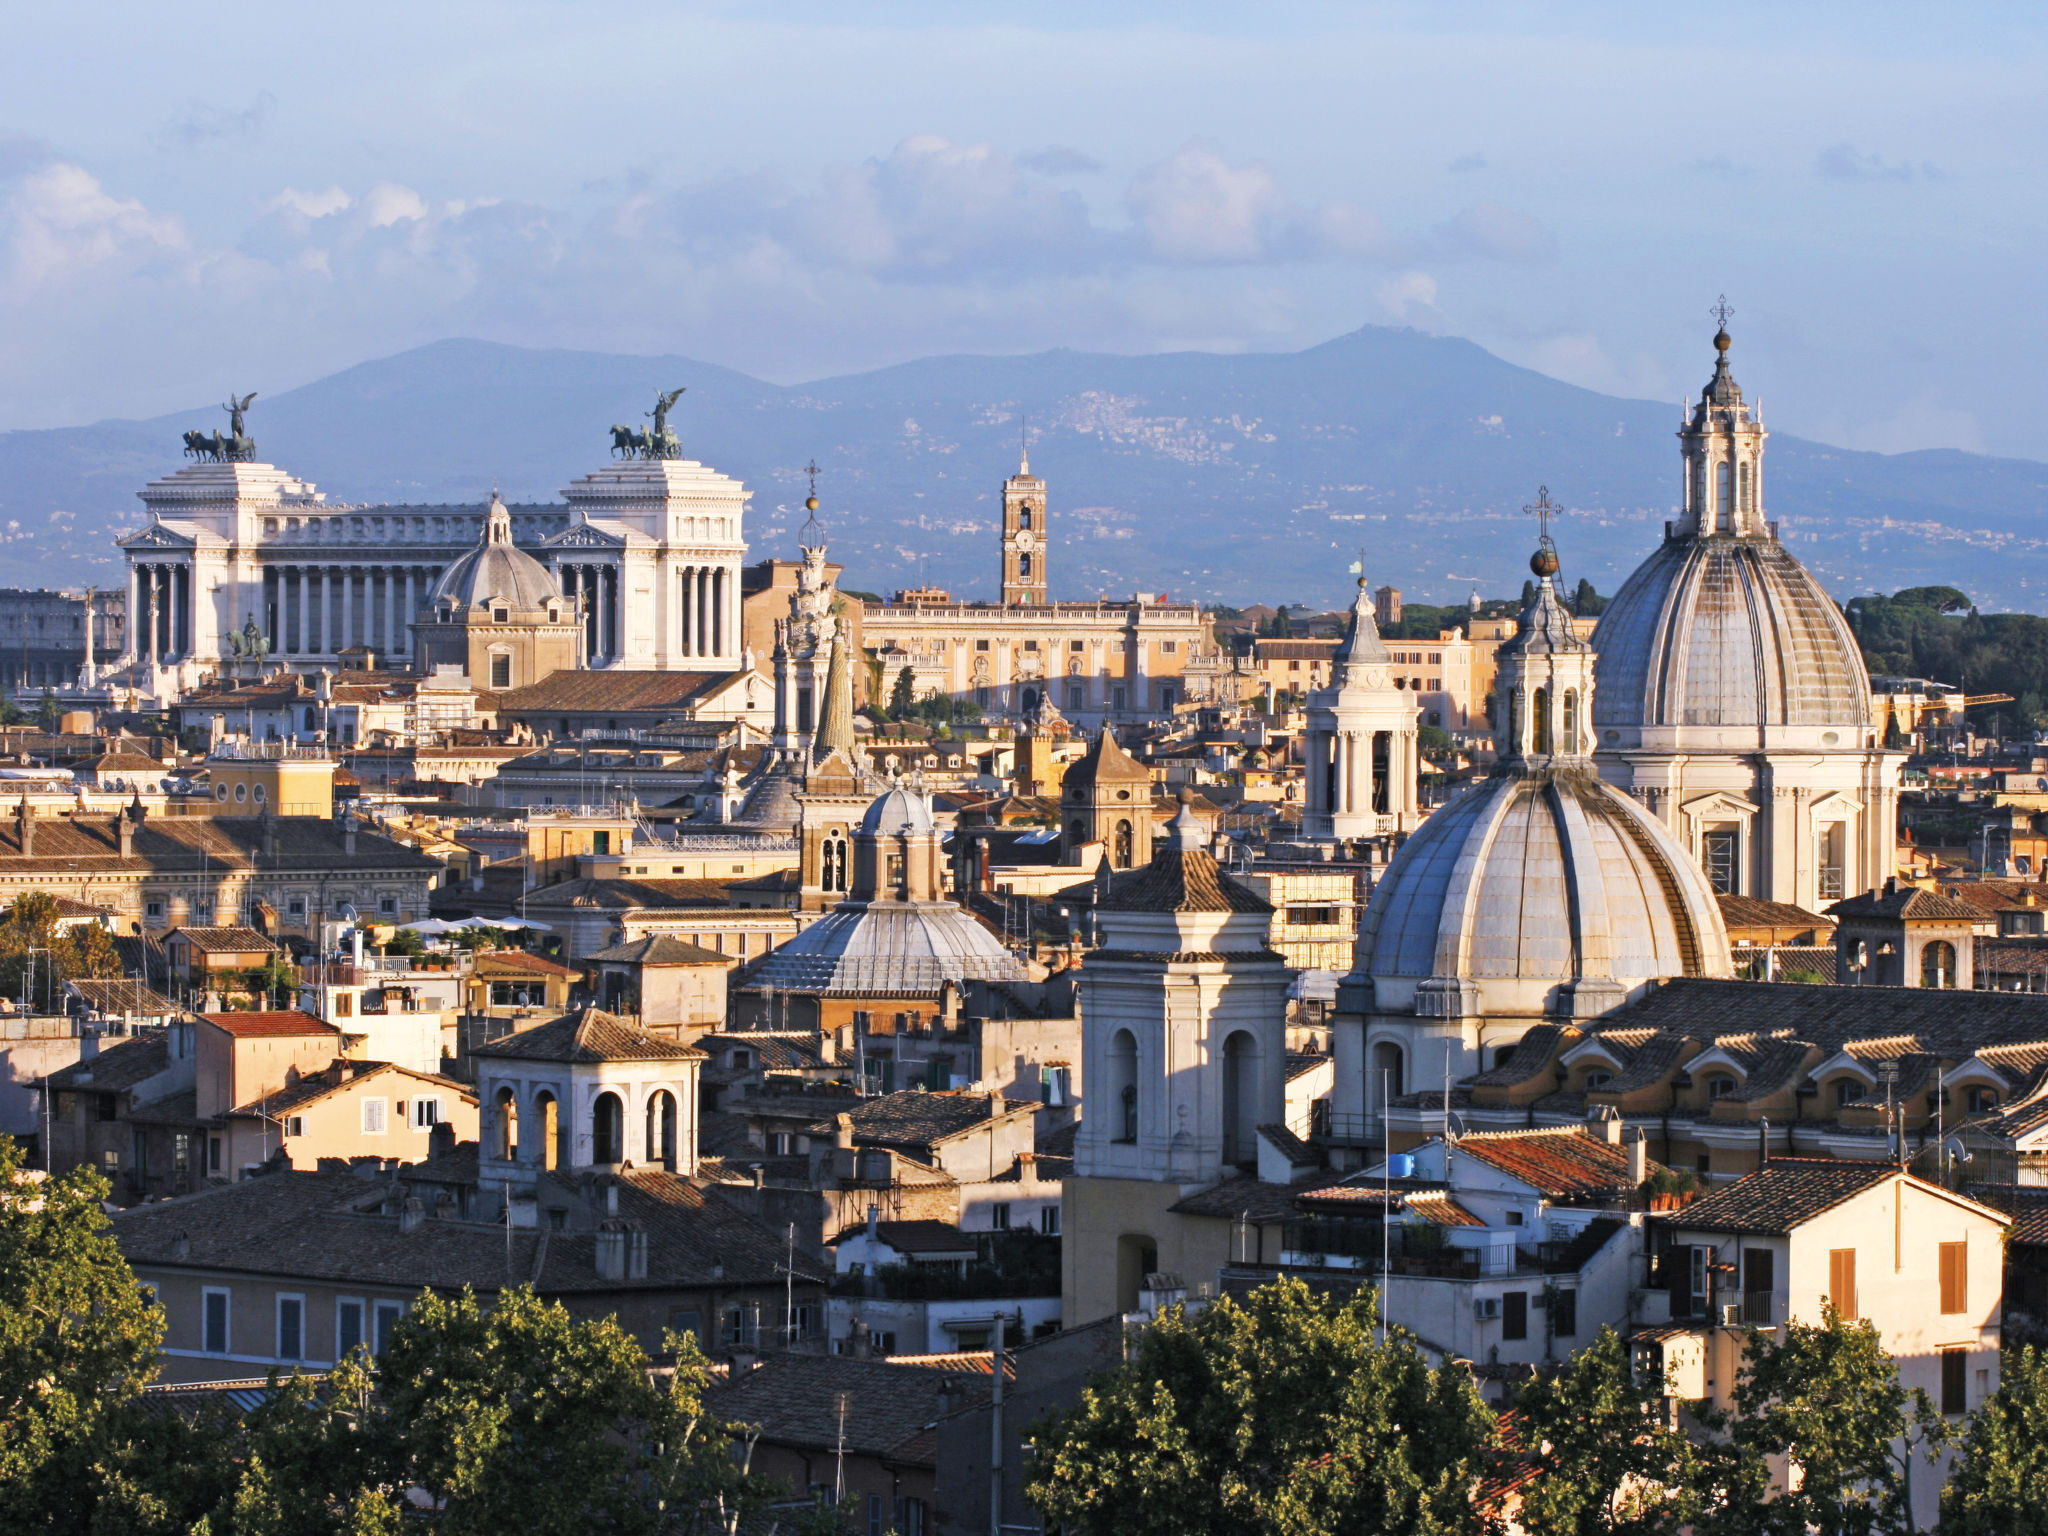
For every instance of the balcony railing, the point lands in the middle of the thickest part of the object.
(1760, 1309)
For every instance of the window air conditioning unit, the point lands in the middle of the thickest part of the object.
(1731, 1314)
(1485, 1308)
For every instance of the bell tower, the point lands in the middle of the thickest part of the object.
(1023, 536)
(1723, 445)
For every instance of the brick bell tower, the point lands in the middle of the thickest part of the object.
(1023, 536)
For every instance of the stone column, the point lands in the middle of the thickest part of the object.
(412, 605)
(134, 624)
(326, 646)
(687, 577)
(718, 636)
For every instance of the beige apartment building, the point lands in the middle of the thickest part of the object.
(1453, 673)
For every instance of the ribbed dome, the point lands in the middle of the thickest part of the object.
(1730, 632)
(897, 810)
(1552, 886)
(498, 569)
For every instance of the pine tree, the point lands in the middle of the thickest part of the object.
(903, 696)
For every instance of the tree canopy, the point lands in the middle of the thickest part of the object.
(2000, 1483)
(1280, 1416)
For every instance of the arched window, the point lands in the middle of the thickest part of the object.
(1539, 722)
(607, 1129)
(1938, 965)
(1511, 737)
(1024, 518)
(1742, 484)
(505, 1126)
(1240, 1099)
(1568, 739)
(1123, 1083)
(547, 1131)
(832, 862)
(661, 1130)
(1724, 498)
(1123, 845)
(1387, 1068)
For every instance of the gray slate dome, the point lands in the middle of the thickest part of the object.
(497, 569)
(899, 810)
(1727, 632)
(1546, 879)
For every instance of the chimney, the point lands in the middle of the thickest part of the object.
(857, 1342)
(1763, 1142)
(25, 828)
(441, 1139)
(611, 1199)
(611, 1249)
(874, 1219)
(124, 828)
(348, 829)
(760, 1176)
(1606, 1124)
(842, 1132)
(996, 1106)
(1638, 1158)
(411, 1214)
(181, 1246)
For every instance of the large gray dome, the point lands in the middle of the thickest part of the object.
(1730, 632)
(497, 570)
(1532, 887)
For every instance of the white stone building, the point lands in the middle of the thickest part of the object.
(1733, 697)
(648, 550)
(1360, 758)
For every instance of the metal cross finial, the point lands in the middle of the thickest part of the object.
(1722, 310)
(811, 469)
(1543, 509)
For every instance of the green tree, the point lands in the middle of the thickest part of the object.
(1283, 1416)
(48, 711)
(38, 957)
(1827, 1400)
(78, 1341)
(1436, 744)
(2000, 1483)
(520, 1418)
(1608, 1464)
(902, 695)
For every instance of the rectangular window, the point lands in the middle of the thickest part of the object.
(426, 1113)
(296, 906)
(387, 904)
(294, 1125)
(1073, 645)
(373, 1117)
(344, 1005)
(1564, 1314)
(1955, 1397)
(348, 1325)
(388, 1314)
(1718, 852)
(291, 1327)
(214, 1337)
(213, 1154)
(1842, 1280)
(981, 645)
(875, 1512)
(1759, 1286)
(1049, 1221)
(1955, 1277)
(1514, 1315)
(999, 1215)
(688, 1320)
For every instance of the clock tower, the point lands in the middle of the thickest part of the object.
(1023, 536)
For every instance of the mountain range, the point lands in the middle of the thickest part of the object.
(1239, 478)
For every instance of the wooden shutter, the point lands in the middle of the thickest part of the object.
(1842, 1280)
(1955, 1277)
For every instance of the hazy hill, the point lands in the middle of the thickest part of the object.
(1240, 478)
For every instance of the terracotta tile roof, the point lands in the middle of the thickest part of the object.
(1561, 1164)
(1911, 904)
(224, 941)
(1441, 1209)
(662, 949)
(125, 996)
(1245, 1197)
(1177, 881)
(1950, 1023)
(1781, 1195)
(587, 1037)
(1754, 912)
(288, 1021)
(1299, 1154)
(222, 844)
(119, 1066)
(1530, 1058)
(1105, 762)
(314, 1086)
(794, 1400)
(913, 1121)
(577, 690)
(516, 962)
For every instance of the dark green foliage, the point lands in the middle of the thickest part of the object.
(1934, 632)
(902, 695)
(1607, 1462)
(1283, 1416)
(1828, 1398)
(2000, 1483)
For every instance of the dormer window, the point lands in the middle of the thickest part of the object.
(1721, 1088)
(1848, 1091)
(500, 616)
(1982, 1101)
(1598, 1080)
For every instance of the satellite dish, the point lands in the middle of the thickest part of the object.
(1957, 1152)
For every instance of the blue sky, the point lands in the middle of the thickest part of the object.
(207, 196)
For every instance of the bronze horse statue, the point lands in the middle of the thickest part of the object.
(627, 442)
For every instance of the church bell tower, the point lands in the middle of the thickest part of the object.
(1023, 536)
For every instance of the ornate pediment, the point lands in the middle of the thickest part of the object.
(158, 536)
(583, 536)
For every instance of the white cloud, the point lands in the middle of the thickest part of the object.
(310, 205)
(59, 221)
(1410, 298)
(1197, 207)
